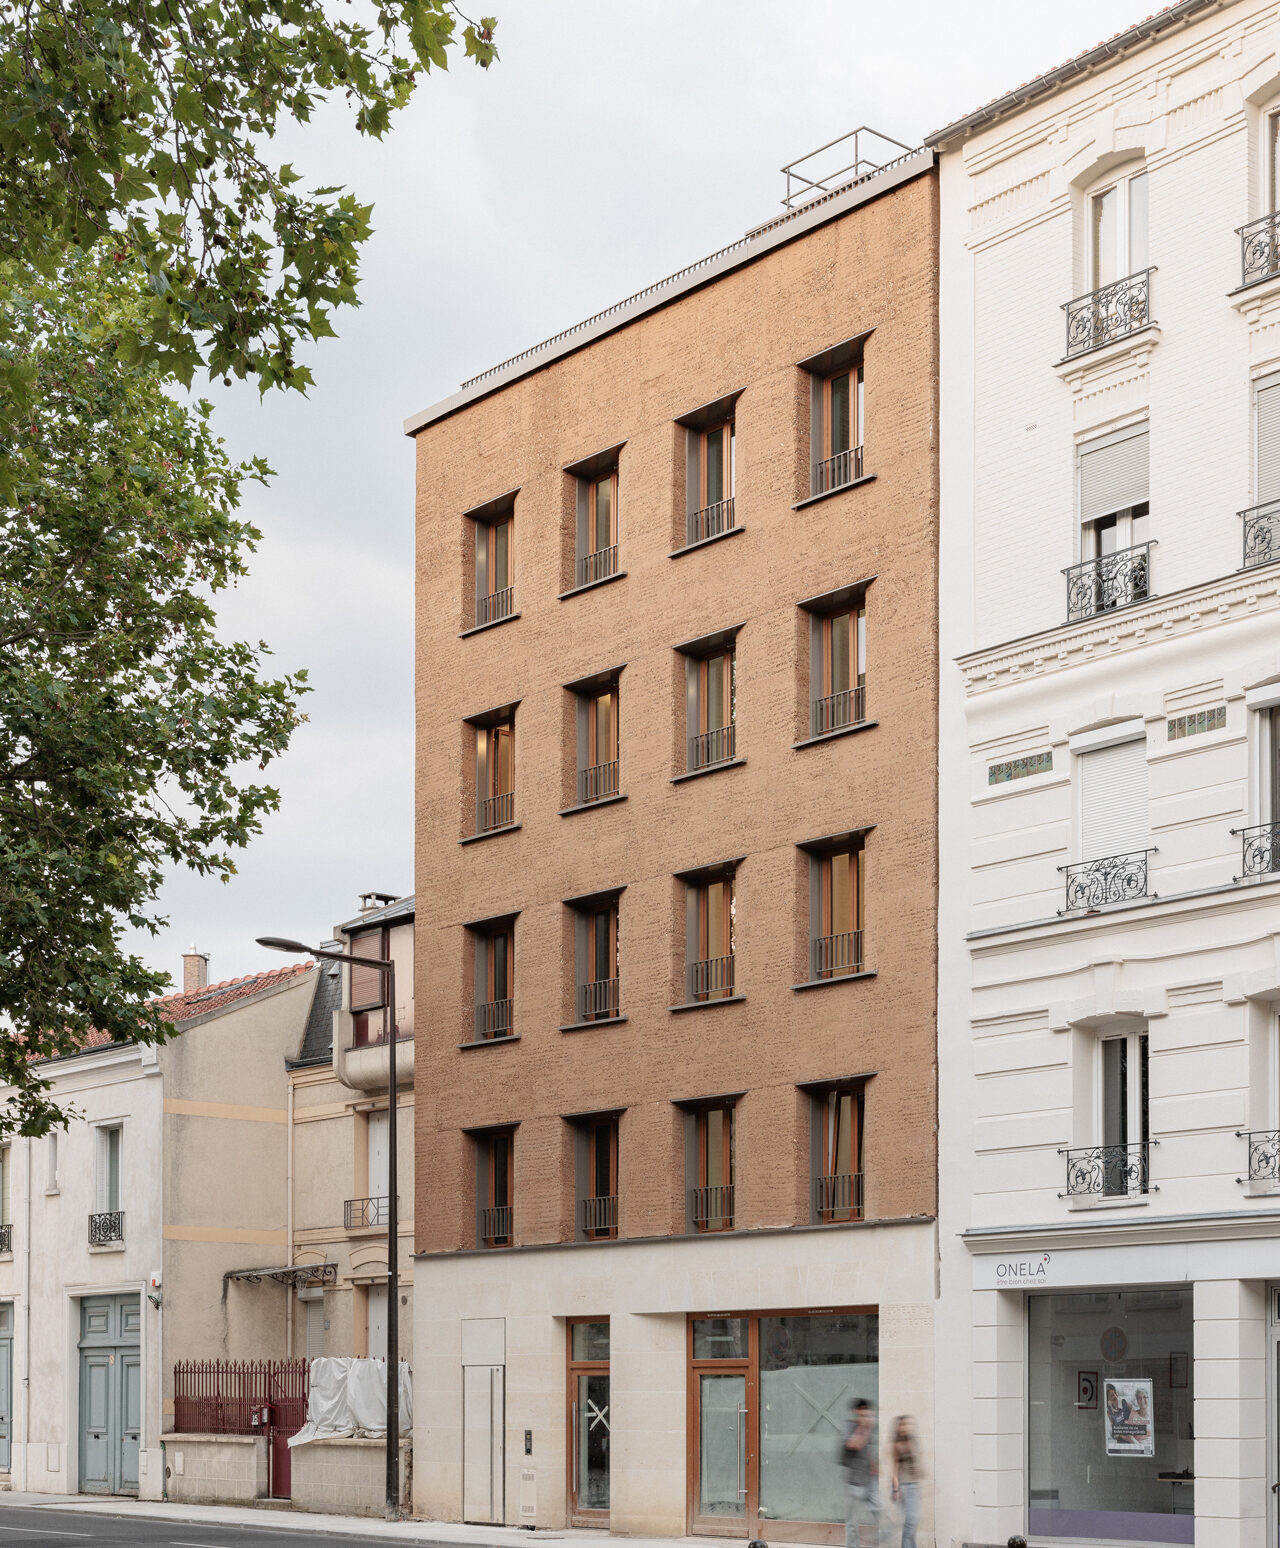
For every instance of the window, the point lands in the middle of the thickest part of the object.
(1273, 163)
(1114, 538)
(496, 773)
(6, 1182)
(712, 465)
(1123, 1121)
(1113, 800)
(494, 525)
(51, 1164)
(495, 958)
(597, 527)
(495, 1187)
(109, 1143)
(597, 988)
(590, 1421)
(835, 909)
(709, 930)
(1262, 521)
(1118, 231)
(711, 1201)
(598, 771)
(837, 1154)
(842, 680)
(369, 989)
(710, 700)
(600, 1197)
(836, 400)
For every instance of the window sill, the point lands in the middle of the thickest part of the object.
(1103, 355)
(6, 1257)
(604, 580)
(96, 1247)
(1261, 289)
(52, 1193)
(494, 623)
(590, 806)
(830, 736)
(843, 978)
(1110, 1201)
(491, 1042)
(857, 483)
(590, 1026)
(711, 768)
(699, 1005)
(716, 537)
(477, 838)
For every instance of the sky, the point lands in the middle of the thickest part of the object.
(614, 142)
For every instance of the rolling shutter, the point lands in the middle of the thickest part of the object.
(1113, 473)
(366, 982)
(1114, 800)
(1267, 400)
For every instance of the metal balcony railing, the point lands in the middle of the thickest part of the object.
(598, 999)
(710, 747)
(1264, 1154)
(1113, 879)
(497, 811)
(1110, 1171)
(1259, 849)
(836, 710)
(1109, 313)
(711, 1209)
(6, 1238)
(596, 782)
(493, 1019)
(1109, 581)
(838, 1197)
(709, 522)
(495, 1225)
(498, 604)
(1261, 534)
(833, 956)
(366, 1212)
(711, 979)
(598, 565)
(1259, 249)
(835, 472)
(600, 1216)
(106, 1227)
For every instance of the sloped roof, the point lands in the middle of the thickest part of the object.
(317, 1041)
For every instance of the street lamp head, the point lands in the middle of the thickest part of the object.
(279, 943)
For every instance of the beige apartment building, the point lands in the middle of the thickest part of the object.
(676, 849)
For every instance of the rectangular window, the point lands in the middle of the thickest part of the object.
(495, 1187)
(598, 770)
(110, 1140)
(710, 909)
(495, 951)
(1113, 800)
(598, 981)
(836, 913)
(600, 1203)
(837, 446)
(590, 1422)
(1114, 568)
(1124, 1122)
(369, 989)
(712, 1201)
(495, 569)
(51, 1164)
(597, 527)
(709, 707)
(6, 1170)
(1266, 403)
(1118, 231)
(710, 476)
(837, 1155)
(496, 775)
(841, 683)
(1273, 163)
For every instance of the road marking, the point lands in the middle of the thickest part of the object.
(45, 1532)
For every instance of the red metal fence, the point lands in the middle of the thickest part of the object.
(217, 1397)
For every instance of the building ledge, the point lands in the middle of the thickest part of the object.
(710, 768)
(479, 838)
(841, 978)
(494, 623)
(1255, 292)
(1109, 1201)
(490, 1042)
(827, 494)
(830, 736)
(100, 1247)
(590, 806)
(692, 548)
(575, 591)
(698, 1005)
(590, 1026)
(1087, 361)
(1221, 1225)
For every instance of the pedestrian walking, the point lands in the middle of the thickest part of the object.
(858, 1454)
(906, 1477)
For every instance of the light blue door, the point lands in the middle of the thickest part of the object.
(110, 1393)
(97, 1440)
(6, 1383)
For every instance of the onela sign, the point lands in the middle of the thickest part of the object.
(1023, 1271)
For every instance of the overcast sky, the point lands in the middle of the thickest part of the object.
(615, 141)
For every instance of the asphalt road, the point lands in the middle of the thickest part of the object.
(23, 1527)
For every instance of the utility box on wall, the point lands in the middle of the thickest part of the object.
(528, 1497)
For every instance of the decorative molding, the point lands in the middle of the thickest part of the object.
(1110, 382)
(1008, 201)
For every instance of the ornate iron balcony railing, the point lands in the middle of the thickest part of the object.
(711, 1209)
(836, 710)
(598, 999)
(366, 1212)
(600, 1216)
(710, 747)
(832, 956)
(598, 781)
(1259, 849)
(709, 522)
(1113, 879)
(1109, 313)
(6, 1238)
(493, 1019)
(498, 604)
(1259, 249)
(835, 472)
(711, 979)
(497, 811)
(1109, 581)
(1261, 534)
(106, 1227)
(598, 565)
(1111, 1171)
(1264, 1154)
(838, 1197)
(495, 1225)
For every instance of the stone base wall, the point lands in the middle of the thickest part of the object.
(347, 1477)
(216, 1469)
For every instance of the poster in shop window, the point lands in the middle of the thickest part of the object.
(1129, 1418)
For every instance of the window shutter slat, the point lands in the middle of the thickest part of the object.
(1113, 475)
(366, 983)
(1268, 432)
(1114, 800)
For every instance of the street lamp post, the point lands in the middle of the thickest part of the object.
(388, 969)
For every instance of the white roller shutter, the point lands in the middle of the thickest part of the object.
(1113, 473)
(379, 1154)
(1267, 401)
(1113, 800)
(315, 1329)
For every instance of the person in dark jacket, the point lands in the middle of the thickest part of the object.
(858, 1454)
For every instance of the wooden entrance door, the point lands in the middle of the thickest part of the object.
(590, 1422)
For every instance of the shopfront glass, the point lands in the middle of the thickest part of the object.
(1110, 1424)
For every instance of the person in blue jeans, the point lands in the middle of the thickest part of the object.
(906, 1477)
(858, 1454)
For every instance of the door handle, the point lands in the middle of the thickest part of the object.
(742, 1488)
(573, 1441)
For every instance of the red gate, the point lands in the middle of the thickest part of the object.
(235, 1397)
(287, 1415)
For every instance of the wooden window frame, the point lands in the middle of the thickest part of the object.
(503, 732)
(830, 1119)
(826, 896)
(491, 545)
(578, 1515)
(362, 1012)
(854, 373)
(594, 750)
(491, 939)
(727, 463)
(728, 655)
(727, 1158)
(592, 917)
(491, 1141)
(857, 616)
(702, 896)
(610, 1125)
(593, 485)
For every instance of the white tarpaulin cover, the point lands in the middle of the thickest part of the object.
(349, 1397)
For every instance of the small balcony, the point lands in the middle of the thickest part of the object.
(495, 607)
(597, 782)
(711, 1209)
(710, 979)
(1107, 1171)
(835, 711)
(597, 566)
(1109, 581)
(495, 1225)
(838, 1197)
(496, 812)
(359, 1213)
(1261, 534)
(711, 747)
(493, 1020)
(1259, 250)
(107, 1228)
(600, 1216)
(598, 999)
(1114, 879)
(835, 956)
(1259, 850)
(1264, 1154)
(6, 1238)
(709, 522)
(1109, 314)
(835, 472)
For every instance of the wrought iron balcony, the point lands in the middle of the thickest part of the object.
(6, 1238)
(837, 710)
(1109, 581)
(366, 1212)
(710, 979)
(600, 780)
(1114, 879)
(106, 1228)
(834, 956)
(497, 811)
(709, 522)
(598, 999)
(838, 1197)
(493, 1019)
(600, 1216)
(1259, 249)
(498, 604)
(1259, 849)
(495, 1225)
(710, 747)
(711, 1209)
(835, 472)
(598, 565)
(1108, 1171)
(1264, 1154)
(1109, 313)
(1261, 534)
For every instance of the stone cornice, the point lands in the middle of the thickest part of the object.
(1229, 1226)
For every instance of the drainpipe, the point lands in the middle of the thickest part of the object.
(26, 1330)
(291, 1294)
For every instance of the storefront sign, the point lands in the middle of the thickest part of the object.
(1129, 1418)
(1025, 1273)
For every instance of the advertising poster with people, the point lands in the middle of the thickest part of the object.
(1129, 1418)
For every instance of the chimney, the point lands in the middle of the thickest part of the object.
(195, 970)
